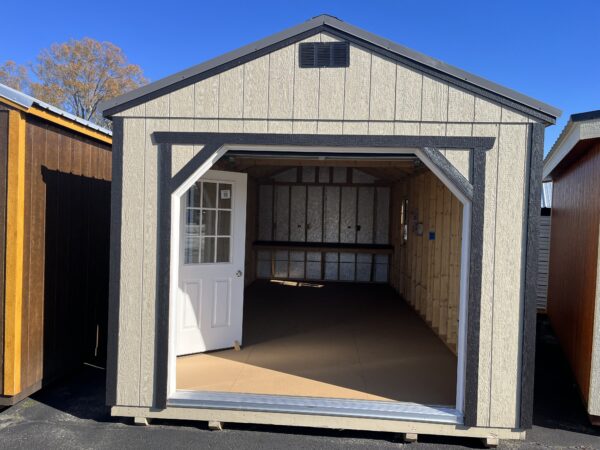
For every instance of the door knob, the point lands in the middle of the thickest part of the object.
(238, 273)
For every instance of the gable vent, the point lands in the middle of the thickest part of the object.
(324, 54)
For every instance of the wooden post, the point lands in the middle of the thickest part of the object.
(15, 225)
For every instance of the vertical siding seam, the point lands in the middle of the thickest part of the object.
(319, 93)
(394, 118)
(268, 91)
(218, 104)
(527, 163)
(491, 390)
(243, 88)
(370, 95)
(344, 105)
(294, 87)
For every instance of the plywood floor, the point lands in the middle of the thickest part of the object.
(339, 340)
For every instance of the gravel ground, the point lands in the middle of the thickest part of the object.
(71, 415)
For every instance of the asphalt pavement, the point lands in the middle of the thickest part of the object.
(70, 414)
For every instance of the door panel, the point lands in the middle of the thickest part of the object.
(211, 283)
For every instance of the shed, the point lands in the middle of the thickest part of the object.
(573, 166)
(55, 171)
(326, 229)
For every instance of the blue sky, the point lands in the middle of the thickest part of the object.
(548, 50)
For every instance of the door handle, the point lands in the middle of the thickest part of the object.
(238, 273)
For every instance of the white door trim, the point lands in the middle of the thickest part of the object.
(465, 250)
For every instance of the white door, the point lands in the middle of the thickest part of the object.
(210, 298)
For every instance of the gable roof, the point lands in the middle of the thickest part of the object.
(343, 30)
(53, 114)
(580, 130)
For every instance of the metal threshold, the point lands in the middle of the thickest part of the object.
(371, 409)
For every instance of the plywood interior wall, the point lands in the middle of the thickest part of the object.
(338, 207)
(251, 227)
(426, 234)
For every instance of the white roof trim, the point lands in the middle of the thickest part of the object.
(574, 132)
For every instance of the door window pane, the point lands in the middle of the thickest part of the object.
(208, 222)
(209, 195)
(192, 225)
(192, 250)
(225, 195)
(193, 196)
(223, 245)
(224, 223)
(207, 252)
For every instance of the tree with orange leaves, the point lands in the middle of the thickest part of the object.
(76, 76)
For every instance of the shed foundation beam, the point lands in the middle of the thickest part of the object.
(410, 437)
(141, 421)
(491, 441)
(215, 425)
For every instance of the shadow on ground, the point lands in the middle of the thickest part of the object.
(557, 401)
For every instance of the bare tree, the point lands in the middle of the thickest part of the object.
(14, 75)
(79, 74)
(76, 76)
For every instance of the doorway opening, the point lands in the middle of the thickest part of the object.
(352, 281)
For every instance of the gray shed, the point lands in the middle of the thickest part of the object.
(326, 229)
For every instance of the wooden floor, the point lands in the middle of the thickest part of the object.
(338, 340)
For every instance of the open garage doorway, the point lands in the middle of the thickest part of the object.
(348, 287)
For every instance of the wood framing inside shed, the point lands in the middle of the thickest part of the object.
(347, 244)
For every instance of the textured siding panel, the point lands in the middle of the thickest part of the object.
(508, 266)
(256, 88)
(357, 82)
(132, 230)
(149, 262)
(408, 93)
(435, 100)
(461, 106)
(181, 102)
(383, 89)
(231, 99)
(459, 158)
(486, 111)
(281, 83)
(306, 91)
(487, 275)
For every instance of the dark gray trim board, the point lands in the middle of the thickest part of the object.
(167, 184)
(163, 272)
(114, 290)
(322, 140)
(475, 273)
(325, 23)
(532, 218)
(588, 115)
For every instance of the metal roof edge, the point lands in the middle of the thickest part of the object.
(317, 24)
(28, 101)
(564, 143)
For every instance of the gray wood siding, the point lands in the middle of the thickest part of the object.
(373, 95)
(543, 262)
